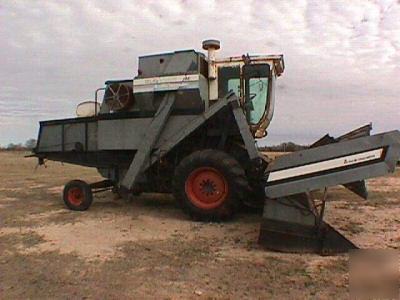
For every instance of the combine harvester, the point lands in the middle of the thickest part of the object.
(187, 124)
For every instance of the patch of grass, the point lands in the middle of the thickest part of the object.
(26, 240)
(45, 275)
(64, 217)
(31, 239)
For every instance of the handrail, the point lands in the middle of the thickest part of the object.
(95, 99)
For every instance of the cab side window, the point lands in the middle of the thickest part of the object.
(228, 79)
(234, 85)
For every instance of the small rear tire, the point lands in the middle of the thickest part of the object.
(77, 195)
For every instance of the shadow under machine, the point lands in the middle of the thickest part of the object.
(187, 125)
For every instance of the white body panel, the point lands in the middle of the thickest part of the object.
(325, 165)
(165, 83)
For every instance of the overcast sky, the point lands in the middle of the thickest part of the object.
(342, 57)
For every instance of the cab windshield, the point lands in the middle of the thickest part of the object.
(255, 83)
(258, 89)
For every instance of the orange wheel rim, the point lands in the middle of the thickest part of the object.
(75, 196)
(206, 188)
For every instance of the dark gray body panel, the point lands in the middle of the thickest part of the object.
(112, 134)
(64, 137)
(151, 137)
(174, 63)
(127, 134)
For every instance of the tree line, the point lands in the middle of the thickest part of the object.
(28, 145)
(284, 147)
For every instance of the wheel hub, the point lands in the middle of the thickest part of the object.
(206, 188)
(75, 196)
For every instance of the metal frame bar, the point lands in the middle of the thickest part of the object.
(95, 99)
(188, 128)
(62, 138)
(149, 140)
(86, 136)
(244, 129)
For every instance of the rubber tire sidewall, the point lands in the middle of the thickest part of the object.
(87, 191)
(228, 167)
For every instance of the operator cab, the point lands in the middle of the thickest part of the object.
(252, 79)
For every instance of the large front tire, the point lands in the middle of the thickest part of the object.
(210, 185)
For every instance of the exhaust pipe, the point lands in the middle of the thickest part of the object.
(212, 46)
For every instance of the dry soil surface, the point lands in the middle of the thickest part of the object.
(149, 249)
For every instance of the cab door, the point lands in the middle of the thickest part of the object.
(257, 82)
(252, 83)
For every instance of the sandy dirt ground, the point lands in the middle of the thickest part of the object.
(149, 249)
